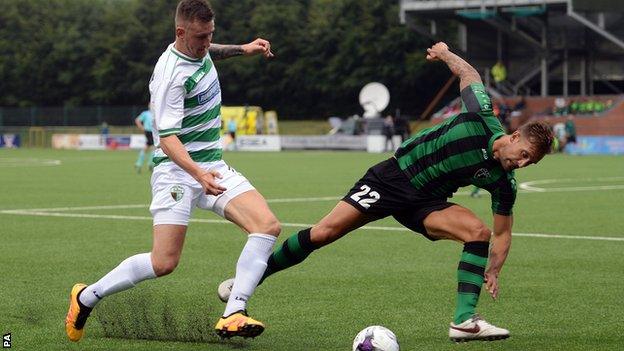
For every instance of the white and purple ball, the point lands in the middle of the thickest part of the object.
(375, 338)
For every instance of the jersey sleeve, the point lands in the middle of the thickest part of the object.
(168, 103)
(476, 99)
(143, 117)
(504, 195)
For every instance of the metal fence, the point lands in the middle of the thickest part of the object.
(69, 116)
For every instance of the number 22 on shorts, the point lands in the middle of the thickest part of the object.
(373, 196)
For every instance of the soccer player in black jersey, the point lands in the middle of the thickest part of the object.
(415, 184)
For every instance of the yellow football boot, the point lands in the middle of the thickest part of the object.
(238, 324)
(77, 314)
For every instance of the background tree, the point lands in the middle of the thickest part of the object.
(102, 52)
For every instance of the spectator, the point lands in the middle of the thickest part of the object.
(402, 128)
(516, 111)
(521, 105)
(560, 134)
(574, 107)
(231, 126)
(608, 104)
(570, 130)
(504, 114)
(388, 131)
(499, 72)
(496, 109)
(104, 130)
(451, 110)
(560, 108)
(586, 106)
(555, 146)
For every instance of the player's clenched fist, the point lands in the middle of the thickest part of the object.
(434, 52)
(258, 46)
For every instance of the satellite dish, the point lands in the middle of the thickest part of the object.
(374, 98)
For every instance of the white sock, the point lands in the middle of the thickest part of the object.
(251, 265)
(130, 271)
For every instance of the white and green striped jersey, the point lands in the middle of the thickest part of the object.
(186, 99)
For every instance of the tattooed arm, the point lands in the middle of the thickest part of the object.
(222, 52)
(466, 73)
(258, 46)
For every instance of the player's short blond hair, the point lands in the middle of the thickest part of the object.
(540, 135)
(191, 10)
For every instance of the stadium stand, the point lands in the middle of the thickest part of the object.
(609, 121)
(540, 59)
(547, 47)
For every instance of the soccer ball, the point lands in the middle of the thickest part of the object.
(375, 338)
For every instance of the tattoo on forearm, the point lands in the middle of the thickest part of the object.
(466, 73)
(222, 52)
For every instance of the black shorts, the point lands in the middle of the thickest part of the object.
(150, 138)
(386, 191)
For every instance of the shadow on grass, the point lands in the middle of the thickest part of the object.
(148, 315)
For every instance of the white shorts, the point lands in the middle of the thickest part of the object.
(175, 193)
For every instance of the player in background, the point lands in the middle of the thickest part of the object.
(414, 186)
(189, 172)
(232, 127)
(144, 122)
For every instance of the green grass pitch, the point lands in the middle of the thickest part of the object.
(70, 216)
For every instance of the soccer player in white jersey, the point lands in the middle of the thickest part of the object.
(189, 172)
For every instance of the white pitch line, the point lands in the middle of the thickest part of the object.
(305, 199)
(580, 237)
(526, 188)
(72, 215)
(116, 207)
(575, 188)
(27, 162)
(82, 208)
(296, 225)
(134, 218)
(529, 187)
(536, 235)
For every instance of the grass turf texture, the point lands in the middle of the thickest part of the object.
(556, 294)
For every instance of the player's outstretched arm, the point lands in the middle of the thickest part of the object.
(499, 249)
(258, 46)
(466, 73)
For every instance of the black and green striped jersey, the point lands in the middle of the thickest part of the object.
(458, 152)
